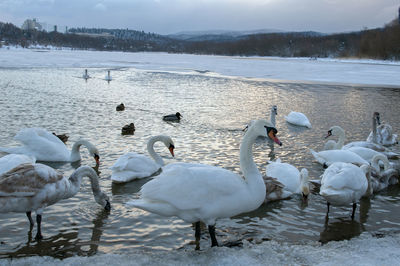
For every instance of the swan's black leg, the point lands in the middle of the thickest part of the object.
(327, 204)
(39, 230)
(28, 214)
(354, 210)
(197, 234)
(211, 230)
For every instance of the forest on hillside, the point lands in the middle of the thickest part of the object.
(380, 43)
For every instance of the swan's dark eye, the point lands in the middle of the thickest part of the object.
(274, 130)
(171, 146)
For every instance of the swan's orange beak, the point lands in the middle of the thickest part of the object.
(171, 150)
(272, 135)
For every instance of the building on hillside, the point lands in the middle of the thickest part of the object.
(31, 24)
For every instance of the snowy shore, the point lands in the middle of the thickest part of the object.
(363, 250)
(342, 71)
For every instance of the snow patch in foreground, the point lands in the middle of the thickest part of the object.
(363, 250)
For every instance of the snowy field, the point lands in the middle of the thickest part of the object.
(366, 249)
(357, 72)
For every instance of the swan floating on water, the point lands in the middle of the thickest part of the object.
(44, 146)
(345, 183)
(328, 157)
(86, 75)
(206, 193)
(298, 119)
(173, 117)
(132, 165)
(282, 180)
(338, 131)
(108, 76)
(33, 187)
(381, 133)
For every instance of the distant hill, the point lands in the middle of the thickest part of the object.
(380, 43)
(217, 35)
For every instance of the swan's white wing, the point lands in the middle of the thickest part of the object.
(27, 180)
(41, 144)
(286, 174)
(10, 161)
(331, 156)
(131, 166)
(192, 187)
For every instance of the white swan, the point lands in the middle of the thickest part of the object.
(326, 158)
(45, 146)
(365, 153)
(282, 180)
(85, 75)
(381, 133)
(274, 113)
(338, 131)
(345, 183)
(33, 187)
(207, 193)
(381, 179)
(11, 161)
(108, 76)
(133, 165)
(299, 119)
(331, 144)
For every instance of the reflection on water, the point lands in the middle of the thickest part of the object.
(215, 111)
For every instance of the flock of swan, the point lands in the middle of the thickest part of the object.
(198, 192)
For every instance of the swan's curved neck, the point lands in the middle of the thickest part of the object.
(341, 139)
(75, 151)
(76, 179)
(150, 148)
(272, 119)
(249, 168)
(375, 163)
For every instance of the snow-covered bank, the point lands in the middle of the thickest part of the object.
(364, 250)
(363, 72)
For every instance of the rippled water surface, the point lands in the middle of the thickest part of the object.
(215, 110)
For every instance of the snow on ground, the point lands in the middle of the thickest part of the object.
(362, 72)
(364, 250)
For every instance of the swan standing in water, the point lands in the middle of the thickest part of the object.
(11, 161)
(298, 119)
(33, 187)
(282, 180)
(133, 165)
(45, 146)
(381, 179)
(381, 133)
(344, 183)
(205, 193)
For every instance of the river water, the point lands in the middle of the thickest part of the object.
(215, 110)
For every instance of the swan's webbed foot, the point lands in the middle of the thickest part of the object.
(211, 230)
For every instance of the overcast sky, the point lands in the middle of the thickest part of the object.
(172, 16)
